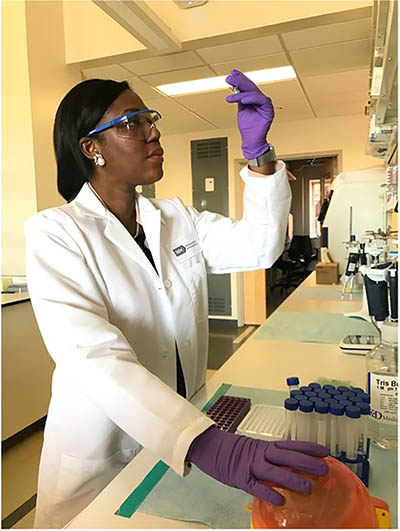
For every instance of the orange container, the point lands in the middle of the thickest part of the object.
(338, 500)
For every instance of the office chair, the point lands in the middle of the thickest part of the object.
(295, 262)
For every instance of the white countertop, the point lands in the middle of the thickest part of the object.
(258, 363)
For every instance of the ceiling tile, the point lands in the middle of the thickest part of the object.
(241, 50)
(332, 58)
(164, 63)
(116, 72)
(248, 65)
(179, 75)
(143, 89)
(175, 118)
(328, 34)
(338, 94)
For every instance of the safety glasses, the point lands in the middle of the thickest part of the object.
(136, 125)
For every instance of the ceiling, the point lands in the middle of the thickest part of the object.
(331, 62)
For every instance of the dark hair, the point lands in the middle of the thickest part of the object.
(79, 112)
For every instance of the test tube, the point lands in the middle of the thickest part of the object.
(292, 383)
(328, 388)
(304, 420)
(338, 397)
(346, 403)
(295, 392)
(305, 388)
(342, 388)
(363, 442)
(291, 406)
(322, 410)
(314, 385)
(336, 429)
(355, 399)
(353, 419)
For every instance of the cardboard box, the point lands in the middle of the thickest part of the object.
(327, 273)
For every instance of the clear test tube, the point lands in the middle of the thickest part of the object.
(304, 420)
(321, 412)
(292, 383)
(290, 413)
(336, 429)
(363, 441)
(353, 429)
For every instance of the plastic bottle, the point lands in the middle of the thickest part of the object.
(382, 380)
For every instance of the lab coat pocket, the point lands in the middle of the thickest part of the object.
(79, 477)
(197, 280)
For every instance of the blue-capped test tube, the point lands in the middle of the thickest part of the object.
(305, 388)
(305, 419)
(295, 392)
(291, 406)
(357, 390)
(353, 420)
(324, 396)
(363, 441)
(292, 383)
(321, 412)
(310, 394)
(342, 388)
(336, 431)
(364, 397)
(328, 388)
(348, 394)
(314, 385)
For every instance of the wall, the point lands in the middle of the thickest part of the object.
(50, 80)
(18, 171)
(346, 135)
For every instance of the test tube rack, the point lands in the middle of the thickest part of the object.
(228, 411)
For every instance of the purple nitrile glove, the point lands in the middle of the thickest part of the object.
(255, 114)
(243, 462)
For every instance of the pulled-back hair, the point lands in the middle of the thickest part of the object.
(79, 112)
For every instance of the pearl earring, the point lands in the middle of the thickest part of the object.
(98, 159)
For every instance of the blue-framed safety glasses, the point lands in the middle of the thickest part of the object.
(137, 124)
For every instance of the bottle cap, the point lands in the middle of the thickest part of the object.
(356, 390)
(364, 397)
(292, 380)
(336, 409)
(355, 399)
(342, 388)
(348, 394)
(389, 333)
(328, 387)
(306, 406)
(331, 401)
(364, 407)
(345, 403)
(324, 396)
(310, 394)
(314, 385)
(322, 407)
(291, 404)
(314, 399)
(295, 392)
(305, 388)
(299, 397)
(353, 412)
(338, 396)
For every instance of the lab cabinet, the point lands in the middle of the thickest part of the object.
(26, 369)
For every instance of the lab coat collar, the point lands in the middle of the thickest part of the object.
(147, 214)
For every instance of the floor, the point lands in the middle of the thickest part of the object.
(20, 462)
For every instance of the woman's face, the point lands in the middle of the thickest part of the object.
(129, 160)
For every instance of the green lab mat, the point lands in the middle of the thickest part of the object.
(312, 327)
(321, 292)
(200, 498)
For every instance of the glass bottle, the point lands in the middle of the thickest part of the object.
(382, 380)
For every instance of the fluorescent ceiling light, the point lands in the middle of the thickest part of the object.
(269, 75)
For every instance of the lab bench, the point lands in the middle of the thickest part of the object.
(258, 363)
(26, 366)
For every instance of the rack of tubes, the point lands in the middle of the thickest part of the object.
(336, 417)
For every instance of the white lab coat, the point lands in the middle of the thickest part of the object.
(110, 323)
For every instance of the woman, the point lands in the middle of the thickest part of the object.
(118, 286)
